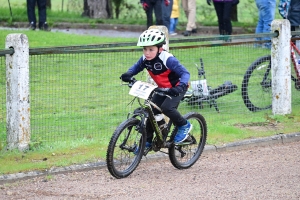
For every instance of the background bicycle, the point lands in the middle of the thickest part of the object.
(257, 81)
(201, 92)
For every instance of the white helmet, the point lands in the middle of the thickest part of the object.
(151, 37)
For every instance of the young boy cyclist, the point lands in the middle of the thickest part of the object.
(167, 72)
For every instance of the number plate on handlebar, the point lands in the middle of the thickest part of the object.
(200, 87)
(141, 89)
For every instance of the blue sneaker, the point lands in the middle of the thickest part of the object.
(147, 147)
(183, 132)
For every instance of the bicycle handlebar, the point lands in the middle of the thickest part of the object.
(162, 92)
(159, 91)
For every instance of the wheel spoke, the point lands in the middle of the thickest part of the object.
(121, 156)
(185, 154)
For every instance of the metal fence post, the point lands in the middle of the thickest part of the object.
(281, 68)
(17, 92)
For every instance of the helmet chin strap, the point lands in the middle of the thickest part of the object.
(158, 51)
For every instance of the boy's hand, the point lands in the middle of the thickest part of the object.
(175, 91)
(126, 77)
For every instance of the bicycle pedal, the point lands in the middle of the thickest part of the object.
(146, 151)
(188, 139)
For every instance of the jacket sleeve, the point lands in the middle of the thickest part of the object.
(137, 67)
(283, 8)
(174, 65)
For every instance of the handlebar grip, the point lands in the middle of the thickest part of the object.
(131, 82)
(162, 92)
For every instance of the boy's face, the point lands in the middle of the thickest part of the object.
(150, 52)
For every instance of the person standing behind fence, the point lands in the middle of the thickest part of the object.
(266, 14)
(223, 9)
(290, 9)
(189, 7)
(174, 18)
(166, 12)
(42, 14)
(153, 5)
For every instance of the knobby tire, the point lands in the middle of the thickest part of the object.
(185, 155)
(120, 157)
(257, 85)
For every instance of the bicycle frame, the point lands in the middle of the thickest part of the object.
(295, 63)
(145, 112)
(267, 84)
(201, 92)
(128, 143)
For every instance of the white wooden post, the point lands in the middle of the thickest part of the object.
(17, 92)
(163, 29)
(281, 68)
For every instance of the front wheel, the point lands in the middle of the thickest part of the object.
(257, 85)
(125, 149)
(186, 154)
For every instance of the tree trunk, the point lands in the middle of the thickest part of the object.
(234, 14)
(97, 9)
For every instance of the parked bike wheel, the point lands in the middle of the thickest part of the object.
(186, 154)
(125, 149)
(257, 85)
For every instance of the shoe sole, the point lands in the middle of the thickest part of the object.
(186, 136)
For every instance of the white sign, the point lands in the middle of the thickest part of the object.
(200, 87)
(142, 89)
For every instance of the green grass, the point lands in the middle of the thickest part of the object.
(54, 39)
(44, 155)
(132, 14)
(222, 128)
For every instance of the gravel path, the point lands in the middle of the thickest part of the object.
(271, 172)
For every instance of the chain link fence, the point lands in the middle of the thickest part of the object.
(75, 92)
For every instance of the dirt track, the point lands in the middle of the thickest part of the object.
(271, 172)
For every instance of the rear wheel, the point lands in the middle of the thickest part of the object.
(186, 154)
(125, 149)
(257, 85)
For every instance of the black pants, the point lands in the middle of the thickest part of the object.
(223, 10)
(169, 108)
(31, 11)
(156, 6)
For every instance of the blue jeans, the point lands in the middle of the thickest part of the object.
(266, 14)
(166, 13)
(173, 24)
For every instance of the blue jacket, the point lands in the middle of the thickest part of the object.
(165, 70)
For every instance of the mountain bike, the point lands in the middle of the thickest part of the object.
(201, 92)
(127, 144)
(257, 81)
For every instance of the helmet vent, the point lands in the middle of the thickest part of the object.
(153, 37)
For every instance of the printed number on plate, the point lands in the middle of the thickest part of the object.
(142, 89)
